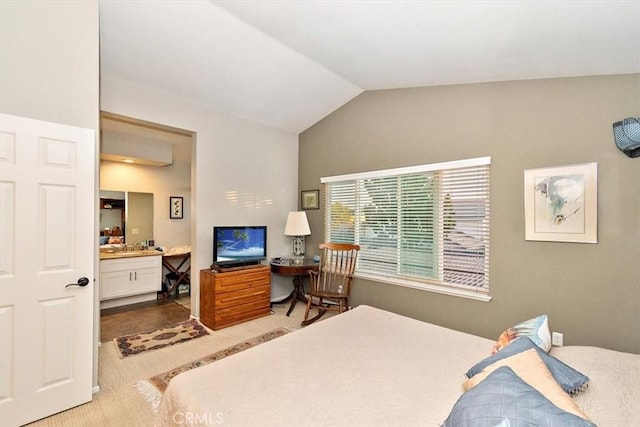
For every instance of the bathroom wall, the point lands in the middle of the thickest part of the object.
(163, 182)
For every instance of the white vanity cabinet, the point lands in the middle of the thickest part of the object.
(120, 278)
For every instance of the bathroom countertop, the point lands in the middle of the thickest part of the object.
(132, 254)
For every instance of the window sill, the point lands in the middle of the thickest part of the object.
(463, 293)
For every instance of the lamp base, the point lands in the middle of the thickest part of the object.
(297, 247)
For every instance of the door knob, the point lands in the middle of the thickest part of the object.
(83, 281)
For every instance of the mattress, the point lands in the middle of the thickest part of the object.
(364, 367)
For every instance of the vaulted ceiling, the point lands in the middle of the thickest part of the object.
(288, 64)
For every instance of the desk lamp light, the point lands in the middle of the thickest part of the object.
(297, 226)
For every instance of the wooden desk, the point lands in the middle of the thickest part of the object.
(298, 271)
(181, 271)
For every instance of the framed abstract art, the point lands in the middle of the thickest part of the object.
(561, 203)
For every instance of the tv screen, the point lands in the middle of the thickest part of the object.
(239, 245)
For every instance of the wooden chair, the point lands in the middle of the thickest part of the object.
(332, 280)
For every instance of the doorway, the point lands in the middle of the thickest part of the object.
(139, 157)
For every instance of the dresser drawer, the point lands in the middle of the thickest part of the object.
(231, 316)
(242, 296)
(226, 282)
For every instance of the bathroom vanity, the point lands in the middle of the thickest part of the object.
(129, 277)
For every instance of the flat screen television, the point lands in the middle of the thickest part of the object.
(239, 245)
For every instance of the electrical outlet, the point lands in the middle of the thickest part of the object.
(556, 339)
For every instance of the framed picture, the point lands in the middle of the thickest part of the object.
(561, 203)
(310, 199)
(175, 207)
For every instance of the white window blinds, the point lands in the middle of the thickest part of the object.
(424, 224)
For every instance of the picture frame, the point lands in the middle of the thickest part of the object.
(176, 207)
(310, 199)
(561, 203)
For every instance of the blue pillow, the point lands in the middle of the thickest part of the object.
(104, 240)
(503, 398)
(569, 379)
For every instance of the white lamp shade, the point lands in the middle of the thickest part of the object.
(297, 224)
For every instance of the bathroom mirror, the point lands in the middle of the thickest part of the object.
(126, 213)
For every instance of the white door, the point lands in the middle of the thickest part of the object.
(47, 234)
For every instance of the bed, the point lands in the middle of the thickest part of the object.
(371, 367)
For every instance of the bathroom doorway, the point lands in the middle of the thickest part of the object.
(151, 160)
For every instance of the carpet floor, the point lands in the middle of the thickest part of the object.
(118, 403)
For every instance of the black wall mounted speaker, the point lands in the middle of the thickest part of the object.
(627, 136)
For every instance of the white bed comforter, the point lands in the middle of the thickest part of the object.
(613, 396)
(369, 367)
(365, 367)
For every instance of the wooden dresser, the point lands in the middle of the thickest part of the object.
(234, 296)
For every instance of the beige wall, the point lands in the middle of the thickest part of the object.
(591, 292)
(49, 53)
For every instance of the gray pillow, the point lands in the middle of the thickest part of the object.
(503, 398)
(569, 379)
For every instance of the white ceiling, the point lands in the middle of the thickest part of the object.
(288, 64)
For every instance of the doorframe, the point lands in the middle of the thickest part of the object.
(192, 229)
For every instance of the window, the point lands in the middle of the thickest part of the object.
(423, 226)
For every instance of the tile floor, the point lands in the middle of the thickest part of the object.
(146, 316)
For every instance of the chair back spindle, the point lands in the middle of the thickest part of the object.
(332, 280)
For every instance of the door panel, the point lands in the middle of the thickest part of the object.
(47, 196)
(7, 343)
(58, 337)
(148, 280)
(57, 227)
(7, 228)
(115, 284)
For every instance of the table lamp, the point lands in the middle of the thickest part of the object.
(297, 226)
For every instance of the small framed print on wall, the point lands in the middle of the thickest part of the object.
(175, 207)
(561, 203)
(310, 199)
